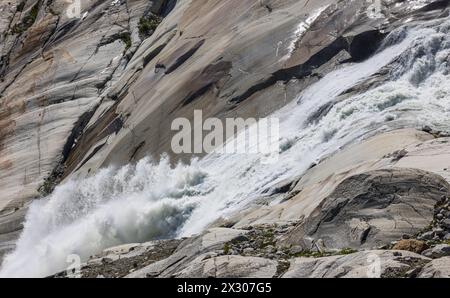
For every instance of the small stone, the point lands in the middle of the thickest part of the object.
(439, 231)
(233, 252)
(427, 236)
(447, 236)
(427, 129)
(440, 216)
(271, 248)
(248, 250)
(296, 249)
(412, 245)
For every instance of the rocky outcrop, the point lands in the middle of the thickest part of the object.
(195, 249)
(439, 268)
(230, 267)
(439, 251)
(366, 264)
(372, 209)
(124, 259)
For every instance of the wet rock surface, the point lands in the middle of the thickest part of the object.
(79, 94)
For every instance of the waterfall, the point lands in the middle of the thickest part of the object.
(154, 200)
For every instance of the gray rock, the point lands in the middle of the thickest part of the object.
(373, 264)
(439, 251)
(248, 250)
(211, 241)
(79, 95)
(372, 209)
(446, 223)
(438, 268)
(427, 235)
(439, 231)
(229, 267)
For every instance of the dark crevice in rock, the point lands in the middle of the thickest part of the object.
(104, 126)
(135, 152)
(167, 8)
(183, 58)
(202, 91)
(76, 132)
(95, 151)
(61, 32)
(360, 47)
(442, 4)
(150, 56)
(207, 79)
(365, 44)
(364, 235)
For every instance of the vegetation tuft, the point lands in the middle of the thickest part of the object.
(148, 24)
(28, 20)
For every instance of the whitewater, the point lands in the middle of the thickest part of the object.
(154, 200)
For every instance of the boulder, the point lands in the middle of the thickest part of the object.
(373, 209)
(211, 241)
(412, 245)
(229, 267)
(438, 268)
(439, 251)
(364, 264)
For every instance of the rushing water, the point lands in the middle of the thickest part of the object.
(151, 200)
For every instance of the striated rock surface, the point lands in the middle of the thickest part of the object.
(439, 268)
(54, 72)
(366, 264)
(230, 267)
(372, 209)
(81, 93)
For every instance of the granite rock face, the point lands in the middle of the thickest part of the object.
(55, 70)
(439, 268)
(82, 92)
(373, 209)
(230, 267)
(366, 264)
